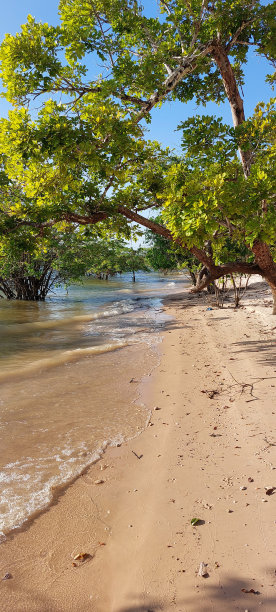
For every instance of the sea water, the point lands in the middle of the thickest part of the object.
(70, 370)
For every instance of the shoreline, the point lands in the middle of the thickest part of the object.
(136, 361)
(197, 455)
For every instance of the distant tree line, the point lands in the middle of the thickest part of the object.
(31, 265)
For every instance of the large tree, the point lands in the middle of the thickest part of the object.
(84, 159)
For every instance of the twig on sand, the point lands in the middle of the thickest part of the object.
(138, 456)
(244, 387)
(269, 444)
(211, 394)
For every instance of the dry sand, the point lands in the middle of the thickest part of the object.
(208, 453)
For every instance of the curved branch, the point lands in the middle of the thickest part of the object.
(157, 228)
(83, 220)
(225, 269)
(71, 217)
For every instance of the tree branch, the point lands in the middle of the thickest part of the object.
(157, 228)
(225, 269)
(154, 46)
(199, 22)
(187, 65)
(235, 37)
(85, 220)
(177, 29)
(214, 271)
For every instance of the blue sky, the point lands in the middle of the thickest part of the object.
(166, 119)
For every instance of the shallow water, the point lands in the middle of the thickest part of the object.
(66, 367)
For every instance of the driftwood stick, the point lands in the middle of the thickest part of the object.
(138, 456)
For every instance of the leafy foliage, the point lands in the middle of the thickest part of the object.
(83, 157)
(163, 254)
(133, 48)
(31, 265)
(207, 192)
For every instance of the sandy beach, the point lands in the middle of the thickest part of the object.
(120, 538)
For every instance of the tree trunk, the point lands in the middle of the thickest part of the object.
(260, 249)
(265, 261)
(6, 289)
(236, 104)
(29, 288)
(193, 276)
(274, 300)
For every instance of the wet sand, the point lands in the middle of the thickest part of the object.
(208, 453)
(57, 423)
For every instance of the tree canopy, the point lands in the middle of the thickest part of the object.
(83, 156)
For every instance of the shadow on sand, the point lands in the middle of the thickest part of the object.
(263, 350)
(227, 596)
